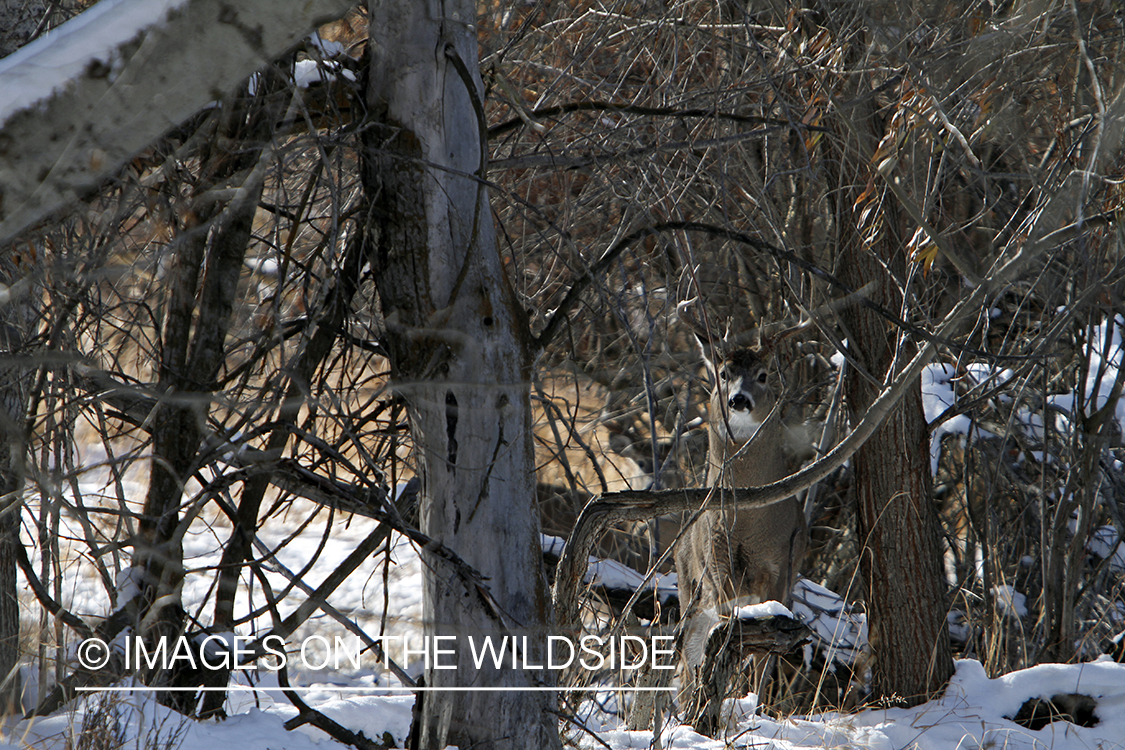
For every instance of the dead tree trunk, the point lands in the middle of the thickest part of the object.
(458, 345)
(18, 21)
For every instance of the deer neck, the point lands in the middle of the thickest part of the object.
(745, 463)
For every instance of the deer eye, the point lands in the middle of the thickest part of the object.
(723, 375)
(762, 376)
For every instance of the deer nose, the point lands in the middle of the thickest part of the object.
(740, 401)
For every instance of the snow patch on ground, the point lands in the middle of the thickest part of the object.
(763, 610)
(974, 713)
(1011, 602)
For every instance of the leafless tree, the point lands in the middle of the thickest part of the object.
(296, 294)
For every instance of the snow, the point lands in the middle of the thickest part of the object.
(837, 359)
(612, 574)
(1105, 543)
(975, 711)
(1104, 363)
(989, 375)
(838, 632)
(762, 610)
(310, 72)
(128, 584)
(938, 396)
(252, 729)
(64, 52)
(264, 266)
(1011, 602)
(145, 719)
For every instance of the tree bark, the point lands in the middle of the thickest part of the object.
(16, 316)
(238, 547)
(458, 346)
(192, 353)
(18, 19)
(901, 558)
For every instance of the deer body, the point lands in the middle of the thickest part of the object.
(730, 558)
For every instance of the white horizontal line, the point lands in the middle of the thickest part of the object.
(248, 689)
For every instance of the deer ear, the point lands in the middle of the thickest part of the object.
(711, 351)
(703, 344)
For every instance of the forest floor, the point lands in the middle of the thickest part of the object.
(975, 711)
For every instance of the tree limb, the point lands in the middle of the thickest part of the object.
(78, 117)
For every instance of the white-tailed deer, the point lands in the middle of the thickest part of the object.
(730, 558)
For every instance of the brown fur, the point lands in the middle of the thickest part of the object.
(730, 558)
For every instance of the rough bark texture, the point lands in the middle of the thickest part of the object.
(904, 582)
(901, 563)
(457, 340)
(14, 325)
(18, 21)
(202, 289)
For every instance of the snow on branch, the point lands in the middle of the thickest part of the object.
(83, 99)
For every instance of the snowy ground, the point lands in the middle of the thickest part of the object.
(974, 713)
(971, 715)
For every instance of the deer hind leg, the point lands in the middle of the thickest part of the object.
(699, 698)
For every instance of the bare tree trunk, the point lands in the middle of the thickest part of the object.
(459, 357)
(901, 563)
(14, 329)
(18, 21)
(192, 346)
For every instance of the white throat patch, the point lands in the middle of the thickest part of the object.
(743, 426)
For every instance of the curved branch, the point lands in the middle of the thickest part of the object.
(584, 159)
(73, 621)
(636, 505)
(642, 505)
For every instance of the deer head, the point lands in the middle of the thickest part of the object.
(741, 395)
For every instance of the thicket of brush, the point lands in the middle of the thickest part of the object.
(990, 126)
